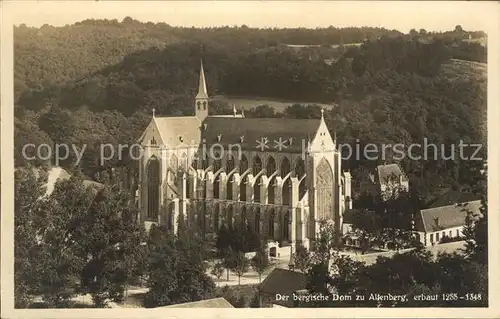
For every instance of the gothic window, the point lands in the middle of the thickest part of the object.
(243, 219)
(256, 190)
(217, 162)
(153, 175)
(302, 188)
(287, 193)
(194, 163)
(189, 186)
(271, 191)
(216, 186)
(174, 163)
(229, 214)
(257, 165)
(170, 216)
(300, 170)
(285, 167)
(324, 186)
(204, 162)
(271, 166)
(243, 164)
(184, 161)
(230, 163)
(270, 226)
(257, 221)
(204, 105)
(216, 218)
(199, 105)
(286, 226)
(243, 190)
(229, 188)
(153, 141)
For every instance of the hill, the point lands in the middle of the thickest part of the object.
(391, 89)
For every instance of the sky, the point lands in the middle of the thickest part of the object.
(402, 16)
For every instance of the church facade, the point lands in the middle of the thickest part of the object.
(281, 177)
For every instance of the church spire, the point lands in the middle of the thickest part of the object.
(202, 87)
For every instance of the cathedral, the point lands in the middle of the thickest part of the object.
(281, 177)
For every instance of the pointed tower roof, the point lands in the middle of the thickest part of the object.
(202, 88)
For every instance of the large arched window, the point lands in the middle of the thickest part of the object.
(286, 226)
(184, 162)
(285, 167)
(270, 166)
(216, 186)
(230, 216)
(217, 161)
(286, 193)
(256, 165)
(243, 189)
(256, 190)
(300, 173)
(243, 218)
(230, 163)
(229, 187)
(270, 226)
(189, 186)
(256, 221)
(153, 175)
(170, 216)
(174, 162)
(243, 164)
(324, 186)
(216, 219)
(271, 189)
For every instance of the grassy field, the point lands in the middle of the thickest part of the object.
(459, 69)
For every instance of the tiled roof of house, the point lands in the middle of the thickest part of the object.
(208, 303)
(444, 217)
(283, 281)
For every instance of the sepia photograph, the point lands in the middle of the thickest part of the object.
(241, 154)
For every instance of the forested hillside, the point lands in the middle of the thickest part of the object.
(96, 82)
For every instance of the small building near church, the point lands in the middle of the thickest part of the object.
(446, 221)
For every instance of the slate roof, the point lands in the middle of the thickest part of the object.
(208, 303)
(231, 129)
(283, 281)
(444, 217)
(171, 128)
(388, 171)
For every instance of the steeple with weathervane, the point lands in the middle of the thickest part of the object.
(201, 99)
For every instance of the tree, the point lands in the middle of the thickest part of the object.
(29, 188)
(176, 271)
(61, 256)
(240, 265)
(218, 270)
(229, 261)
(325, 244)
(302, 259)
(260, 262)
(111, 238)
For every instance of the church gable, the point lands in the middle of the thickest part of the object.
(151, 135)
(323, 141)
